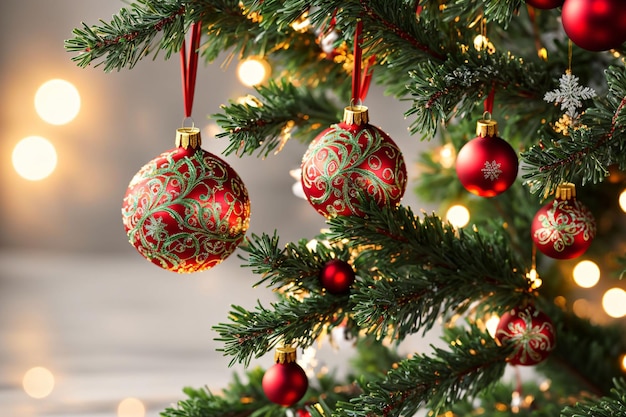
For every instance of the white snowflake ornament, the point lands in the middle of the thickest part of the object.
(569, 94)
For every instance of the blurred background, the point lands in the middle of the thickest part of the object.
(87, 326)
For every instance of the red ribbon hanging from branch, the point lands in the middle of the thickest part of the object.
(361, 78)
(189, 66)
(490, 100)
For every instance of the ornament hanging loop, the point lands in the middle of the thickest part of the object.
(361, 76)
(189, 66)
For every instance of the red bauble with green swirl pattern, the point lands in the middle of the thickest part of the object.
(186, 210)
(352, 158)
(563, 228)
(530, 332)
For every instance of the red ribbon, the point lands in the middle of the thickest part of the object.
(361, 78)
(490, 100)
(189, 66)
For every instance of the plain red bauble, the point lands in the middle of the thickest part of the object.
(186, 210)
(346, 159)
(337, 276)
(531, 333)
(285, 383)
(487, 166)
(545, 4)
(563, 229)
(595, 25)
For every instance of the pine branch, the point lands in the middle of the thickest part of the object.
(397, 243)
(131, 34)
(612, 406)
(472, 364)
(584, 156)
(410, 273)
(283, 110)
(444, 91)
(499, 11)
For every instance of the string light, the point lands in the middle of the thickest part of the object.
(131, 407)
(34, 158)
(38, 382)
(447, 155)
(614, 302)
(533, 277)
(622, 201)
(458, 215)
(492, 325)
(253, 71)
(57, 102)
(586, 274)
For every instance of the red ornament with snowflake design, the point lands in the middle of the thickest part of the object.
(186, 210)
(285, 383)
(563, 228)
(531, 333)
(348, 158)
(487, 165)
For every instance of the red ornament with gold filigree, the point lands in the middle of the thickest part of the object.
(349, 158)
(563, 228)
(186, 210)
(531, 333)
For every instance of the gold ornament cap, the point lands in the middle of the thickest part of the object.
(285, 354)
(565, 191)
(188, 137)
(356, 115)
(486, 128)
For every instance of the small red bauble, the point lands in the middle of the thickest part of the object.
(531, 333)
(595, 25)
(285, 383)
(545, 4)
(564, 228)
(350, 157)
(486, 165)
(186, 210)
(337, 276)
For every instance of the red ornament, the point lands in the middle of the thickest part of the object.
(564, 228)
(186, 210)
(486, 165)
(349, 157)
(285, 383)
(595, 25)
(337, 276)
(530, 331)
(545, 4)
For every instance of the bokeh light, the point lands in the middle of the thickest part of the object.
(38, 382)
(586, 274)
(622, 201)
(253, 71)
(614, 302)
(34, 158)
(458, 215)
(492, 325)
(131, 407)
(447, 155)
(57, 102)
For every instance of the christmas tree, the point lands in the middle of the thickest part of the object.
(528, 97)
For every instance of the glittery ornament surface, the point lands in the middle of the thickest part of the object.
(186, 210)
(346, 159)
(531, 333)
(563, 229)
